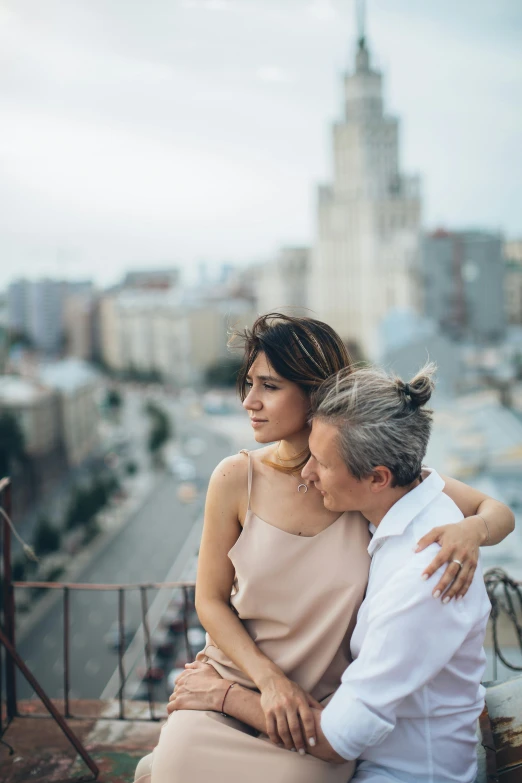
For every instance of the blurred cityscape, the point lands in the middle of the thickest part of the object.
(116, 403)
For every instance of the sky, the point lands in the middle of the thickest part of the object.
(175, 132)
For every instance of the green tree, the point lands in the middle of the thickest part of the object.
(223, 374)
(160, 427)
(131, 468)
(46, 537)
(12, 442)
(113, 399)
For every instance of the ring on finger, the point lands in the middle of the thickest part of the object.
(458, 562)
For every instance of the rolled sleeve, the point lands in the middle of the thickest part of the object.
(409, 638)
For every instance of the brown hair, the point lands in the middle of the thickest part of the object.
(300, 349)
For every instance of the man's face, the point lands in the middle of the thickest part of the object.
(341, 491)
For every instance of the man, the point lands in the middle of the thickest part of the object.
(408, 704)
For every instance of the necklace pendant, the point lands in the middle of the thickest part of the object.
(302, 486)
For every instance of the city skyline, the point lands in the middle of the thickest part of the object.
(198, 130)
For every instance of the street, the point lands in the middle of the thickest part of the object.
(143, 551)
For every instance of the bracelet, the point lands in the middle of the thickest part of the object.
(487, 528)
(224, 697)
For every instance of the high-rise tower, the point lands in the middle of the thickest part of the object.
(365, 261)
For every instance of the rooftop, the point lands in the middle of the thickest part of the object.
(19, 391)
(68, 375)
(116, 746)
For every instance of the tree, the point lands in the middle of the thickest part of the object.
(12, 442)
(223, 373)
(86, 502)
(46, 537)
(160, 429)
(113, 399)
(131, 468)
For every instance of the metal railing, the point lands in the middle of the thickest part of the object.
(505, 595)
(14, 661)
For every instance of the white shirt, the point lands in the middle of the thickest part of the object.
(409, 702)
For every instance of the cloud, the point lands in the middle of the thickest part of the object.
(211, 5)
(274, 75)
(322, 10)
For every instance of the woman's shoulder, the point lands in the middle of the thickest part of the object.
(231, 472)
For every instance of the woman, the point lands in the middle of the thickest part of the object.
(281, 578)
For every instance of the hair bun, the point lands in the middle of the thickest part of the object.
(419, 389)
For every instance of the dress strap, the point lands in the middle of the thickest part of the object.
(250, 467)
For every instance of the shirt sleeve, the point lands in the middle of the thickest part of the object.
(409, 639)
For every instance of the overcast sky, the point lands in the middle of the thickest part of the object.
(169, 132)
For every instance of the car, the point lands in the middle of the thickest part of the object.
(112, 637)
(161, 643)
(196, 638)
(195, 446)
(154, 674)
(182, 468)
(171, 678)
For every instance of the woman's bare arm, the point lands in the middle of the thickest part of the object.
(487, 522)
(216, 573)
(283, 702)
(499, 519)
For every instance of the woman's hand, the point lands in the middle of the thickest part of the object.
(289, 719)
(199, 687)
(461, 542)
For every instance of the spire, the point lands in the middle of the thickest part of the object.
(362, 58)
(360, 11)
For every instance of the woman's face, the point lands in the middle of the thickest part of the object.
(278, 408)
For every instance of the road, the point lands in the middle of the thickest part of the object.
(143, 551)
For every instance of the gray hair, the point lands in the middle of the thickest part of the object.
(380, 418)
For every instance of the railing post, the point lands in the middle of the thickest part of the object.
(66, 684)
(190, 654)
(121, 646)
(148, 656)
(9, 606)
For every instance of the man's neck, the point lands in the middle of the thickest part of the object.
(384, 501)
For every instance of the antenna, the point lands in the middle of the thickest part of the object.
(360, 10)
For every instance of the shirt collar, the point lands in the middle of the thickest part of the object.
(397, 519)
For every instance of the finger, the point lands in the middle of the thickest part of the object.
(313, 702)
(438, 561)
(467, 585)
(449, 575)
(308, 723)
(458, 585)
(283, 730)
(294, 724)
(271, 729)
(430, 538)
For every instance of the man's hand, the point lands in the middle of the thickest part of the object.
(199, 687)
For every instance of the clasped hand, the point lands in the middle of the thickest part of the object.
(286, 706)
(288, 714)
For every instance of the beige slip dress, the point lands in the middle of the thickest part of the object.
(298, 598)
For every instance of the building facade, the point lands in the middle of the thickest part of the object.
(167, 333)
(513, 281)
(366, 259)
(463, 276)
(76, 385)
(283, 283)
(36, 409)
(38, 310)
